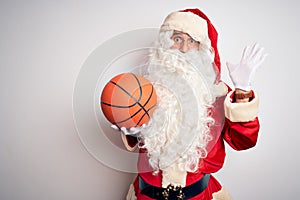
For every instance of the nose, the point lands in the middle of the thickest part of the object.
(184, 47)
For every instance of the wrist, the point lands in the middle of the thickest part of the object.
(242, 95)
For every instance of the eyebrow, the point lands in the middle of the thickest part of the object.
(177, 33)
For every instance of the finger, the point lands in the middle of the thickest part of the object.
(254, 50)
(134, 129)
(228, 65)
(259, 52)
(258, 63)
(135, 132)
(257, 56)
(261, 60)
(124, 130)
(245, 54)
(115, 127)
(231, 67)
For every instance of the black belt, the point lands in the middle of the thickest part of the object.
(174, 192)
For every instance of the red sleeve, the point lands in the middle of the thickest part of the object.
(215, 158)
(241, 135)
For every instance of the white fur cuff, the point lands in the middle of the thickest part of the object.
(241, 112)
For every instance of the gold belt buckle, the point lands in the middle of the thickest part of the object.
(172, 188)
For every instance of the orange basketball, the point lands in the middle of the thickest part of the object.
(128, 100)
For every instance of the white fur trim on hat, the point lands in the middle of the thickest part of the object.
(241, 112)
(189, 23)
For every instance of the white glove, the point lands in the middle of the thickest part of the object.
(133, 131)
(241, 73)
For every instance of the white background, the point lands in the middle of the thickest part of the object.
(43, 45)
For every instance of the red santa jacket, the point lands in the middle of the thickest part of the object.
(240, 131)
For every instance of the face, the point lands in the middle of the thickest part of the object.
(183, 42)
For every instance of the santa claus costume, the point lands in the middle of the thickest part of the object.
(183, 143)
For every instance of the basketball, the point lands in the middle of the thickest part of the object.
(128, 100)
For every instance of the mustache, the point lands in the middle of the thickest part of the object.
(200, 61)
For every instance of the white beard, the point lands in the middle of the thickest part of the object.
(178, 131)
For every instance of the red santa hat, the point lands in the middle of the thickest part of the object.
(195, 23)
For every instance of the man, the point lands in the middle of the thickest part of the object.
(183, 143)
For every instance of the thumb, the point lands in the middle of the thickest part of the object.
(135, 130)
(125, 131)
(229, 66)
(115, 127)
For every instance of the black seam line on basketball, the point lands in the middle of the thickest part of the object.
(141, 94)
(117, 106)
(146, 112)
(129, 117)
(141, 106)
(136, 101)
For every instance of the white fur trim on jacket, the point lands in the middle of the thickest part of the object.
(131, 193)
(129, 148)
(241, 112)
(222, 194)
(221, 89)
(173, 175)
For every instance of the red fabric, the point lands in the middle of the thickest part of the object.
(239, 135)
(131, 141)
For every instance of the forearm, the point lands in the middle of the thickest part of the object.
(241, 125)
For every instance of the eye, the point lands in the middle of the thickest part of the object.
(177, 39)
(192, 41)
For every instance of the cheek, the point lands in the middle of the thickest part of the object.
(175, 46)
(196, 47)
